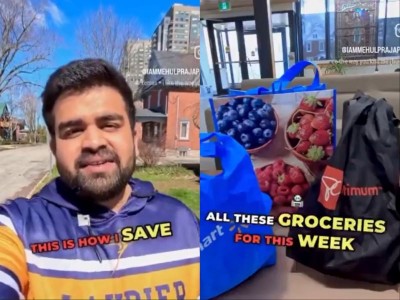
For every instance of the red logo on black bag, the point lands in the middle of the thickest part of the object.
(331, 187)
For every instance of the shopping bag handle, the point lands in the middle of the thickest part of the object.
(338, 160)
(250, 92)
(217, 149)
(378, 132)
(281, 83)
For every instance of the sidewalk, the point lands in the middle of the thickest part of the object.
(7, 147)
(16, 146)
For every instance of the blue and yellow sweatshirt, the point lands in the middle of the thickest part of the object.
(56, 247)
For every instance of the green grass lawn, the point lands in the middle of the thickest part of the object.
(174, 181)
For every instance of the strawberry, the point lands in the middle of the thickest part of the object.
(278, 165)
(273, 189)
(290, 198)
(309, 103)
(329, 106)
(305, 186)
(276, 174)
(297, 175)
(320, 138)
(280, 200)
(315, 153)
(321, 122)
(268, 172)
(292, 130)
(320, 110)
(302, 147)
(329, 150)
(297, 190)
(283, 190)
(306, 119)
(261, 177)
(284, 179)
(305, 132)
(265, 186)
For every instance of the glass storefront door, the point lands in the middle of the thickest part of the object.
(233, 45)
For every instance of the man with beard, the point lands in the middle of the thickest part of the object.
(65, 242)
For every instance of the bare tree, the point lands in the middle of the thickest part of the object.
(194, 110)
(29, 106)
(25, 42)
(103, 35)
(14, 106)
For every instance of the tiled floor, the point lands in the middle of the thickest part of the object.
(287, 280)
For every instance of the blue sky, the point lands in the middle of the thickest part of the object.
(64, 15)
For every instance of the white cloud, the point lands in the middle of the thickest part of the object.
(55, 13)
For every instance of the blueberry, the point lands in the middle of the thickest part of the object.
(249, 124)
(248, 145)
(257, 103)
(245, 138)
(267, 133)
(264, 124)
(244, 110)
(239, 106)
(257, 132)
(262, 141)
(232, 132)
(222, 109)
(254, 116)
(232, 115)
(247, 101)
(241, 128)
(233, 103)
(268, 108)
(220, 124)
(235, 124)
(220, 112)
(263, 114)
(225, 115)
(224, 125)
(272, 124)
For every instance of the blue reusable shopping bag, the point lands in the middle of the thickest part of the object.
(223, 263)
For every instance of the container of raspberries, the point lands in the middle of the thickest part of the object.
(309, 131)
(249, 120)
(282, 182)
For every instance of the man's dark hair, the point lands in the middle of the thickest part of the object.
(397, 70)
(80, 75)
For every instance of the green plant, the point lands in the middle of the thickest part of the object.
(336, 67)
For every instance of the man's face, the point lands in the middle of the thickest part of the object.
(94, 142)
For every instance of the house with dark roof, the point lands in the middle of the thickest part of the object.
(9, 125)
(170, 102)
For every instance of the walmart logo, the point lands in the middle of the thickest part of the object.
(238, 227)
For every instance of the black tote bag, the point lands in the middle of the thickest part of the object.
(361, 181)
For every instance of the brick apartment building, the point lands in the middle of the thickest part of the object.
(170, 103)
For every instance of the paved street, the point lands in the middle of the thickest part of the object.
(21, 169)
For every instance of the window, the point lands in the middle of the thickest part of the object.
(152, 131)
(148, 101)
(309, 48)
(321, 46)
(184, 130)
(315, 36)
